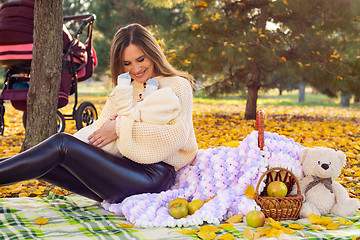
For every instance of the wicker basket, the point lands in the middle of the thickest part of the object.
(277, 208)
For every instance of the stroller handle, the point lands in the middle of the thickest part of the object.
(88, 17)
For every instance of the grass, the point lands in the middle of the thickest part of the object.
(288, 98)
(98, 90)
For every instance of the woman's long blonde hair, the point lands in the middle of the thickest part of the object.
(141, 37)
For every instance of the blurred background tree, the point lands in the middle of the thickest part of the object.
(240, 47)
(231, 45)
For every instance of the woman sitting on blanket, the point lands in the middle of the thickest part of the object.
(140, 140)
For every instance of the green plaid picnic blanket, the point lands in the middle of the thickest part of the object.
(76, 217)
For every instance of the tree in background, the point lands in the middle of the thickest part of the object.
(44, 87)
(317, 51)
(230, 45)
(346, 64)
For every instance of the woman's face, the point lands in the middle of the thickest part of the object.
(137, 64)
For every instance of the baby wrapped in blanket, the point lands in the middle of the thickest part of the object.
(156, 106)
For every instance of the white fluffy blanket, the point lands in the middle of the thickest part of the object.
(225, 172)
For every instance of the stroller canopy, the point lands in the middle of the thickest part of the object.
(16, 33)
(16, 22)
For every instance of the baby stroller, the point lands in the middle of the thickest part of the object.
(16, 43)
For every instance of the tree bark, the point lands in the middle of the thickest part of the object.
(45, 72)
(253, 87)
(356, 99)
(345, 99)
(302, 86)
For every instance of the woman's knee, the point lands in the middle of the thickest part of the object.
(161, 179)
(62, 139)
(61, 143)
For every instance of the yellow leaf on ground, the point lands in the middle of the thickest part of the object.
(209, 228)
(250, 192)
(227, 236)
(269, 220)
(187, 231)
(288, 231)
(273, 232)
(206, 235)
(345, 222)
(37, 192)
(296, 226)
(332, 226)
(314, 219)
(124, 225)
(250, 234)
(235, 219)
(24, 194)
(275, 224)
(262, 231)
(179, 200)
(226, 226)
(41, 221)
(325, 221)
(210, 198)
(233, 144)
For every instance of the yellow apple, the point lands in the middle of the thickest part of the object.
(195, 205)
(178, 210)
(255, 218)
(277, 189)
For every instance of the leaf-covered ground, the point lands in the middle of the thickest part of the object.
(222, 124)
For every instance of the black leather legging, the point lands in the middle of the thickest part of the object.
(67, 162)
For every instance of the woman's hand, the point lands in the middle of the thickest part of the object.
(105, 135)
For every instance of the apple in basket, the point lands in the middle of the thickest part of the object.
(277, 189)
(178, 210)
(255, 218)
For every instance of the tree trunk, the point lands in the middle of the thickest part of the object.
(45, 72)
(357, 99)
(345, 99)
(253, 87)
(302, 86)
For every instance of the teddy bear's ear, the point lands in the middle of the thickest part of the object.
(342, 157)
(303, 153)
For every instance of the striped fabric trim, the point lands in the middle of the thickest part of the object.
(63, 95)
(16, 56)
(16, 52)
(17, 48)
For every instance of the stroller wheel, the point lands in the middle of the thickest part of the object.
(85, 115)
(60, 121)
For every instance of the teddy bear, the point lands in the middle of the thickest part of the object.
(322, 194)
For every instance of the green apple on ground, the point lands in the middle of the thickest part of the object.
(277, 189)
(195, 205)
(255, 218)
(178, 210)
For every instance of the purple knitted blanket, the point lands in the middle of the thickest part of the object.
(225, 172)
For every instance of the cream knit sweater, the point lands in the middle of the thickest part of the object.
(146, 143)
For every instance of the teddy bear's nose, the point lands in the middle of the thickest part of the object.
(325, 166)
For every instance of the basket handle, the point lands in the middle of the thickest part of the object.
(259, 126)
(273, 169)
